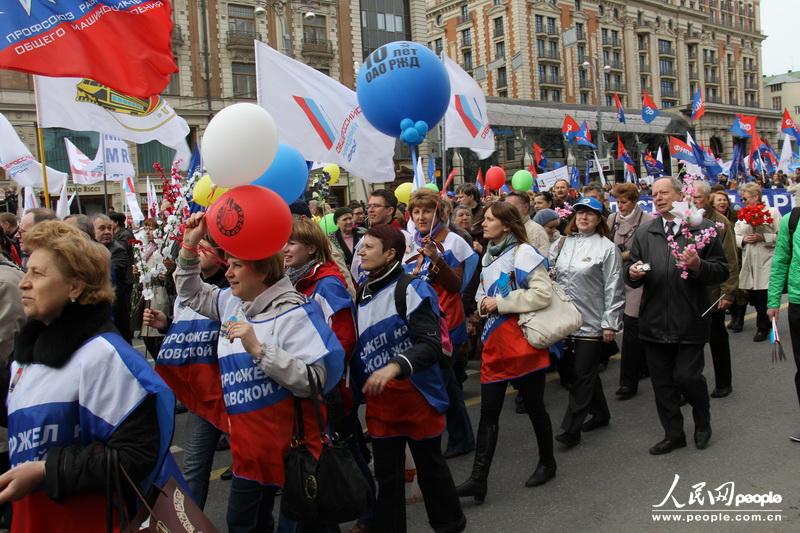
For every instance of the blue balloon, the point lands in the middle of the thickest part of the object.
(410, 136)
(287, 175)
(406, 123)
(422, 127)
(402, 80)
(556, 165)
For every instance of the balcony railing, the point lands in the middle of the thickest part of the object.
(616, 87)
(710, 60)
(692, 56)
(648, 88)
(317, 47)
(547, 29)
(693, 75)
(714, 99)
(644, 68)
(550, 54)
(667, 72)
(643, 47)
(712, 79)
(615, 64)
(584, 84)
(668, 93)
(499, 31)
(750, 85)
(613, 42)
(551, 80)
(581, 35)
(242, 39)
(666, 51)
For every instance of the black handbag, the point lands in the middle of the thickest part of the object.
(328, 490)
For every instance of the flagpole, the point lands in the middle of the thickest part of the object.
(105, 180)
(442, 141)
(40, 139)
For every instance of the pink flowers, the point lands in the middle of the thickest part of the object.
(697, 242)
(564, 212)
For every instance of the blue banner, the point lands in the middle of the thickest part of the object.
(780, 199)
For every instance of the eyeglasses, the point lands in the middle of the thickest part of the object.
(376, 206)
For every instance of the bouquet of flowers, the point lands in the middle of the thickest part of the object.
(755, 215)
(690, 217)
(565, 212)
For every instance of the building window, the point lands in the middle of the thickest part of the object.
(665, 47)
(585, 98)
(555, 95)
(543, 95)
(241, 19)
(55, 151)
(315, 31)
(776, 103)
(467, 60)
(381, 21)
(502, 93)
(464, 13)
(466, 37)
(437, 45)
(510, 149)
(500, 50)
(174, 87)
(244, 80)
(501, 77)
(153, 152)
(539, 23)
(797, 110)
(498, 27)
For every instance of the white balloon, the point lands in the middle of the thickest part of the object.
(239, 144)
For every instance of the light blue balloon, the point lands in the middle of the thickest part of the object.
(406, 123)
(422, 127)
(402, 80)
(410, 136)
(287, 175)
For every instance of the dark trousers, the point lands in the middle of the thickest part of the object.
(153, 345)
(758, 299)
(198, 457)
(633, 363)
(676, 369)
(250, 507)
(435, 482)
(460, 437)
(586, 393)
(794, 333)
(720, 350)
(531, 388)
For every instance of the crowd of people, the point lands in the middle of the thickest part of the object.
(387, 312)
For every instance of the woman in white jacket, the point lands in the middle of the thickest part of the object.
(589, 267)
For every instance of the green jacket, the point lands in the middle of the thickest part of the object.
(784, 266)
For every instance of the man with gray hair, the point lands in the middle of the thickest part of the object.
(673, 325)
(32, 217)
(723, 294)
(121, 274)
(82, 222)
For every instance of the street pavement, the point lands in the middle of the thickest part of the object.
(610, 483)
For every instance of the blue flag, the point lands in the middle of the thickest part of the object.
(588, 168)
(575, 178)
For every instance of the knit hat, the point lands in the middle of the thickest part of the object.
(339, 213)
(544, 216)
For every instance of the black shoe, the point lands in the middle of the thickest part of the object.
(701, 437)
(227, 475)
(594, 423)
(223, 444)
(625, 393)
(667, 445)
(485, 444)
(721, 393)
(473, 487)
(761, 335)
(569, 439)
(180, 408)
(541, 475)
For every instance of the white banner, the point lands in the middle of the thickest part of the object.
(546, 180)
(117, 159)
(467, 119)
(84, 170)
(19, 164)
(321, 118)
(85, 105)
(132, 200)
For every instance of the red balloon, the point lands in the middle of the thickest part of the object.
(250, 222)
(495, 178)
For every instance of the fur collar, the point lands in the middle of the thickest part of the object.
(53, 345)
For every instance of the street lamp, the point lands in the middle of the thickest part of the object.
(597, 89)
(279, 8)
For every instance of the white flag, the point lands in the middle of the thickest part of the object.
(467, 120)
(321, 117)
(132, 200)
(419, 176)
(786, 154)
(62, 207)
(84, 170)
(117, 159)
(85, 105)
(152, 200)
(19, 164)
(600, 168)
(30, 199)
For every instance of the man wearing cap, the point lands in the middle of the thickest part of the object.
(673, 322)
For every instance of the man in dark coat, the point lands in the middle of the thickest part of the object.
(674, 323)
(121, 274)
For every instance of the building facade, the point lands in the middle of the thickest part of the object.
(213, 46)
(548, 52)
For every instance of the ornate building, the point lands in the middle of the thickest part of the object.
(547, 53)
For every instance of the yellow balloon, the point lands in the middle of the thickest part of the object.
(332, 169)
(205, 192)
(403, 192)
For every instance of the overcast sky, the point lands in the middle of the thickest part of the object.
(779, 23)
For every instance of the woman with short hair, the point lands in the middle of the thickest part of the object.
(91, 394)
(346, 237)
(514, 280)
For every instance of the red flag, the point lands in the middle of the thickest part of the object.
(447, 183)
(755, 143)
(532, 169)
(569, 127)
(126, 46)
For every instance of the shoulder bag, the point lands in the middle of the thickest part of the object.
(544, 327)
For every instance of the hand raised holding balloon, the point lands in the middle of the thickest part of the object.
(195, 230)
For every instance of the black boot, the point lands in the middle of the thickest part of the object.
(737, 317)
(476, 485)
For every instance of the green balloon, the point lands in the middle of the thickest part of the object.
(432, 186)
(327, 224)
(522, 180)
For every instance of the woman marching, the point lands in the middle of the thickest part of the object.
(397, 359)
(89, 392)
(589, 267)
(514, 280)
(447, 262)
(270, 336)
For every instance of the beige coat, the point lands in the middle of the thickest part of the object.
(160, 301)
(757, 257)
(538, 237)
(12, 316)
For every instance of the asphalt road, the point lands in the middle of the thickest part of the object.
(611, 483)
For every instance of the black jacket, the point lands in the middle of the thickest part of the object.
(80, 468)
(122, 279)
(671, 307)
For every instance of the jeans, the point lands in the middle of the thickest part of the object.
(435, 481)
(586, 393)
(250, 507)
(198, 457)
(460, 437)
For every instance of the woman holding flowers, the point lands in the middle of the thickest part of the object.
(756, 230)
